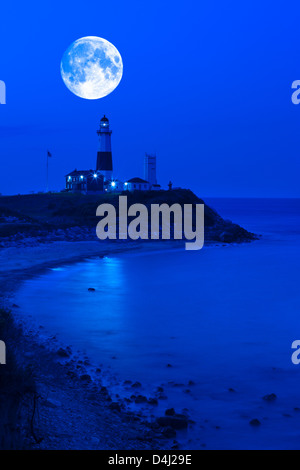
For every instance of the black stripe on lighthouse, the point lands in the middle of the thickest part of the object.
(104, 161)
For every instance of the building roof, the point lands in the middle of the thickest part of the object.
(137, 180)
(104, 119)
(80, 172)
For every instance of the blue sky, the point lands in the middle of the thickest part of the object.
(206, 85)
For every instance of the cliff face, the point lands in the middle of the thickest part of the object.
(65, 215)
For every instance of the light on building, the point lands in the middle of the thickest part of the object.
(81, 177)
(95, 175)
(126, 184)
(69, 178)
(113, 184)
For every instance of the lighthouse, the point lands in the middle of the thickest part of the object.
(104, 155)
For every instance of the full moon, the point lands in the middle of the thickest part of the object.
(91, 67)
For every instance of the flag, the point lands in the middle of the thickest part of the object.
(49, 154)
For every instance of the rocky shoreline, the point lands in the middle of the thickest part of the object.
(74, 410)
(68, 405)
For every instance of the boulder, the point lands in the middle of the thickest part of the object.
(86, 378)
(255, 422)
(140, 399)
(270, 398)
(136, 385)
(170, 412)
(115, 406)
(63, 353)
(174, 422)
(153, 401)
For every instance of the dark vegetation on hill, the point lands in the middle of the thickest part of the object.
(39, 214)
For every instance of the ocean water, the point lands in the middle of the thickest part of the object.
(223, 318)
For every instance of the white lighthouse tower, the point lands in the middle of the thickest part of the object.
(104, 155)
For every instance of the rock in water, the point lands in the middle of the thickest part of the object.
(174, 422)
(270, 398)
(255, 422)
(62, 353)
(170, 412)
(136, 385)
